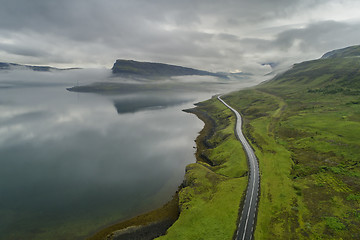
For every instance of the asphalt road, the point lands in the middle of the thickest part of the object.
(246, 225)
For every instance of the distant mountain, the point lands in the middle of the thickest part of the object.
(150, 69)
(9, 66)
(353, 51)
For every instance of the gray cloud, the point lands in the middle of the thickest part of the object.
(212, 35)
(22, 50)
(305, 43)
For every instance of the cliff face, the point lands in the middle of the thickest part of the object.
(149, 69)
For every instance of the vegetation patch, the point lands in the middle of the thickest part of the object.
(334, 223)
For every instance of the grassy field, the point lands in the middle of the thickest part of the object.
(304, 126)
(215, 185)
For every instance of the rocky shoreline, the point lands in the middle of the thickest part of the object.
(143, 227)
(144, 232)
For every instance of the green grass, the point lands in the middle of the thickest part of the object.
(304, 126)
(213, 188)
(334, 223)
(209, 205)
(280, 201)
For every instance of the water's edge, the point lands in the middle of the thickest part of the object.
(155, 223)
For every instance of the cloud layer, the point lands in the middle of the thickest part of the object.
(212, 35)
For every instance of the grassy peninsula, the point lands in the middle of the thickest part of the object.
(214, 186)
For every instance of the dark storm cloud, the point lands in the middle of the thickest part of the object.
(212, 35)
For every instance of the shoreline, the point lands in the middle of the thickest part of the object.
(150, 224)
(155, 223)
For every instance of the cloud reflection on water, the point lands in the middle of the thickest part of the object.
(67, 158)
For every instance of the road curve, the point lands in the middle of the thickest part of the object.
(246, 225)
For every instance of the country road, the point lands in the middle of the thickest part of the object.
(246, 225)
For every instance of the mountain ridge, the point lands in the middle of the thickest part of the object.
(351, 51)
(9, 66)
(337, 69)
(153, 69)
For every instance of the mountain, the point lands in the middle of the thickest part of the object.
(353, 51)
(150, 69)
(336, 71)
(9, 66)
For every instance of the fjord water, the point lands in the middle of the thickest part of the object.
(71, 163)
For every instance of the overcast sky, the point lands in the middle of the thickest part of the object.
(226, 35)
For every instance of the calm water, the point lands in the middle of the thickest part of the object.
(71, 163)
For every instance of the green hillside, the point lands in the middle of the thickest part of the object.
(353, 51)
(304, 126)
(325, 75)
